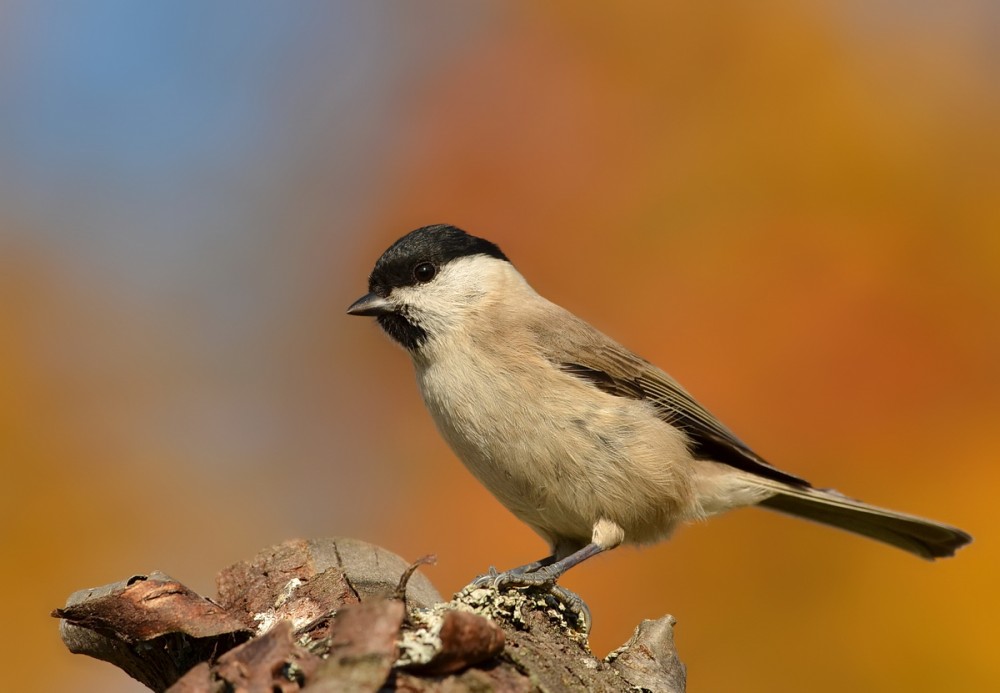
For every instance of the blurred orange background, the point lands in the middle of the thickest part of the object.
(792, 207)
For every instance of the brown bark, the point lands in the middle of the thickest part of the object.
(343, 615)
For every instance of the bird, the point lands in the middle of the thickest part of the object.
(587, 443)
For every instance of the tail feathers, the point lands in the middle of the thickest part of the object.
(925, 538)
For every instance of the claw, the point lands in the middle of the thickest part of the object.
(538, 578)
(487, 580)
(574, 605)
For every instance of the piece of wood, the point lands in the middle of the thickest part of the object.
(326, 615)
(151, 626)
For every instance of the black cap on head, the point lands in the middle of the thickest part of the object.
(437, 244)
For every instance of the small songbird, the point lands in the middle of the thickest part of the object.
(587, 443)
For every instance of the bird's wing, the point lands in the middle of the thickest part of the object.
(590, 355)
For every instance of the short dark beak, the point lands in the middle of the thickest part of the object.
(370, 304)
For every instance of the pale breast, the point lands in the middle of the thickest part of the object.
(557, 452)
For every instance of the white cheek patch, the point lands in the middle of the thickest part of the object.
(458, 289)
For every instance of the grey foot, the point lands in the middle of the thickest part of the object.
(539, 578)
(572, 602)
(515, 577)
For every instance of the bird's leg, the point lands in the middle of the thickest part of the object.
(489, 579)
(544, 573)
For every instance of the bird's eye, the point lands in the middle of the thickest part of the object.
(424, 272)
